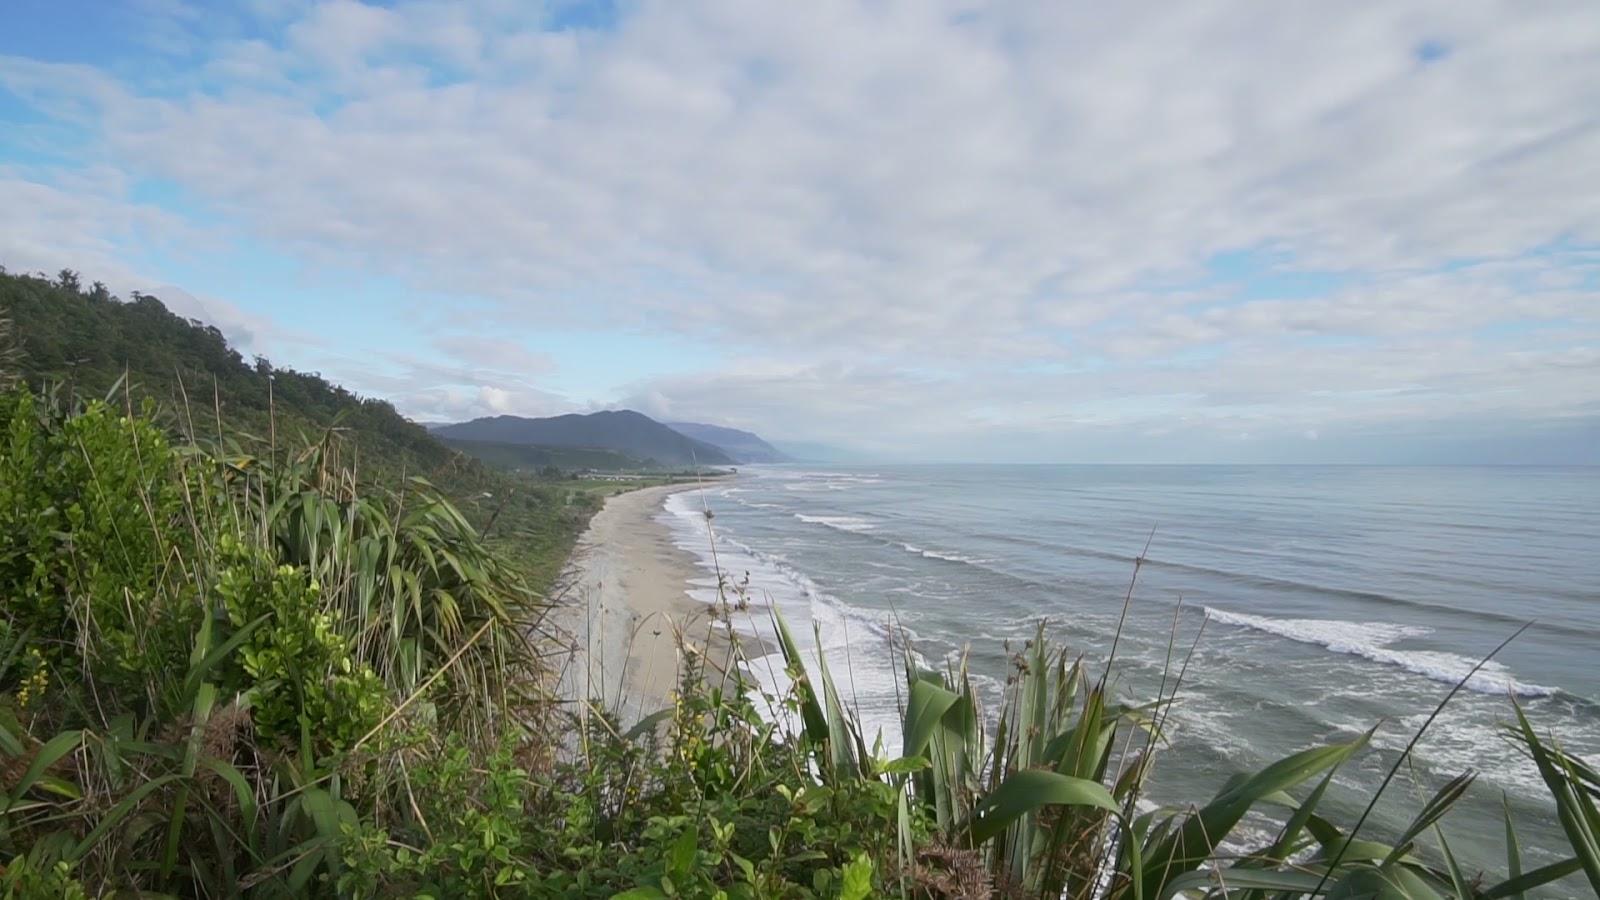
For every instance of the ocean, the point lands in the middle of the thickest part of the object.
(1333, 599)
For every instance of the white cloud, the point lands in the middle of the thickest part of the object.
(958, 219)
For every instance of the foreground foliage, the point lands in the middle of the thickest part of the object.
(224, 674)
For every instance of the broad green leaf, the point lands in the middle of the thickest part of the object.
(48, 755)
(1028, 791)
(929, 703)
(857, 881)
(1367, 882)
(1236, 878)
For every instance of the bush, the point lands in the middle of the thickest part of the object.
(294, 668)
(91, 543)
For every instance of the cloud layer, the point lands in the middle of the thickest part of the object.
(1025, 230)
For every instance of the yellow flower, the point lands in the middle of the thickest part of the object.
(36, 684)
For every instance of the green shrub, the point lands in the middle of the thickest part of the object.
(295, 670)
(91, 544)
(24, 879)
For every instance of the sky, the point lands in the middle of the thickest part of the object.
(1016, 231)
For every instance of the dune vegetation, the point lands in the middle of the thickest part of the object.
(251, 661)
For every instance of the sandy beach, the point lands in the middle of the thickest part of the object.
(624, 605)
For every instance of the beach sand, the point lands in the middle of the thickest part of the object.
(624, 602)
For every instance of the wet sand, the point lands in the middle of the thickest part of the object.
(627, 613)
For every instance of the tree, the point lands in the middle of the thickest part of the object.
(67, 279)
(10, 356)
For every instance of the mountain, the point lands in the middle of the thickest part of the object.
(743, 446)
(623, 431)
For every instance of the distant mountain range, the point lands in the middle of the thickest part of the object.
(605, 440)
(623, 431)
(743, 446)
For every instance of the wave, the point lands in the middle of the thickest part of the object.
(840, 523)
(1269, 582)
(861, 646)
(816, 482)
(1371, 640)
(944, 555)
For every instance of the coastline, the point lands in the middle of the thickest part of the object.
(623, 605)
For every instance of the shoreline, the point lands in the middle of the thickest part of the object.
(623, 604)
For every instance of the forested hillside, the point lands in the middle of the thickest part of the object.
(86, 341)
(621, 431)
(89, 339)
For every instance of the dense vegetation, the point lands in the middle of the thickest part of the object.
(226, 672)
(92, 344)
(530, 458)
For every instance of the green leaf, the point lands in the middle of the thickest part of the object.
(1513, 849)
(814, 725)
(640, 893)
(681, 856)
(646, 725)
(197, 671)
(1236, 878)
(928, 704)
(48, 755)
(1193, 842)
(1574, 807)
(1026, 792)
(905, 765)
(1431, 812)
(1517, 885)
(1367, 882)
(116, 814)
(1458, 879)
(857, 881)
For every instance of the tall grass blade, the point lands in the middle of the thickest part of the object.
(48, 754)
(1194, 841)
(1575, 807)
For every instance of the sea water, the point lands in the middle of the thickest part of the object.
(1333, 600)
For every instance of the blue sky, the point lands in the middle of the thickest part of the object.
(1039, 232)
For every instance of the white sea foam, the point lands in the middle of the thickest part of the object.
(952, 557)
(842, 523)
(814, 482)
(854, 642)
(941, 554)
(1372, 640)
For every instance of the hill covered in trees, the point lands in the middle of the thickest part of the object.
(621, 431)
(90, 340)
(86, 341)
